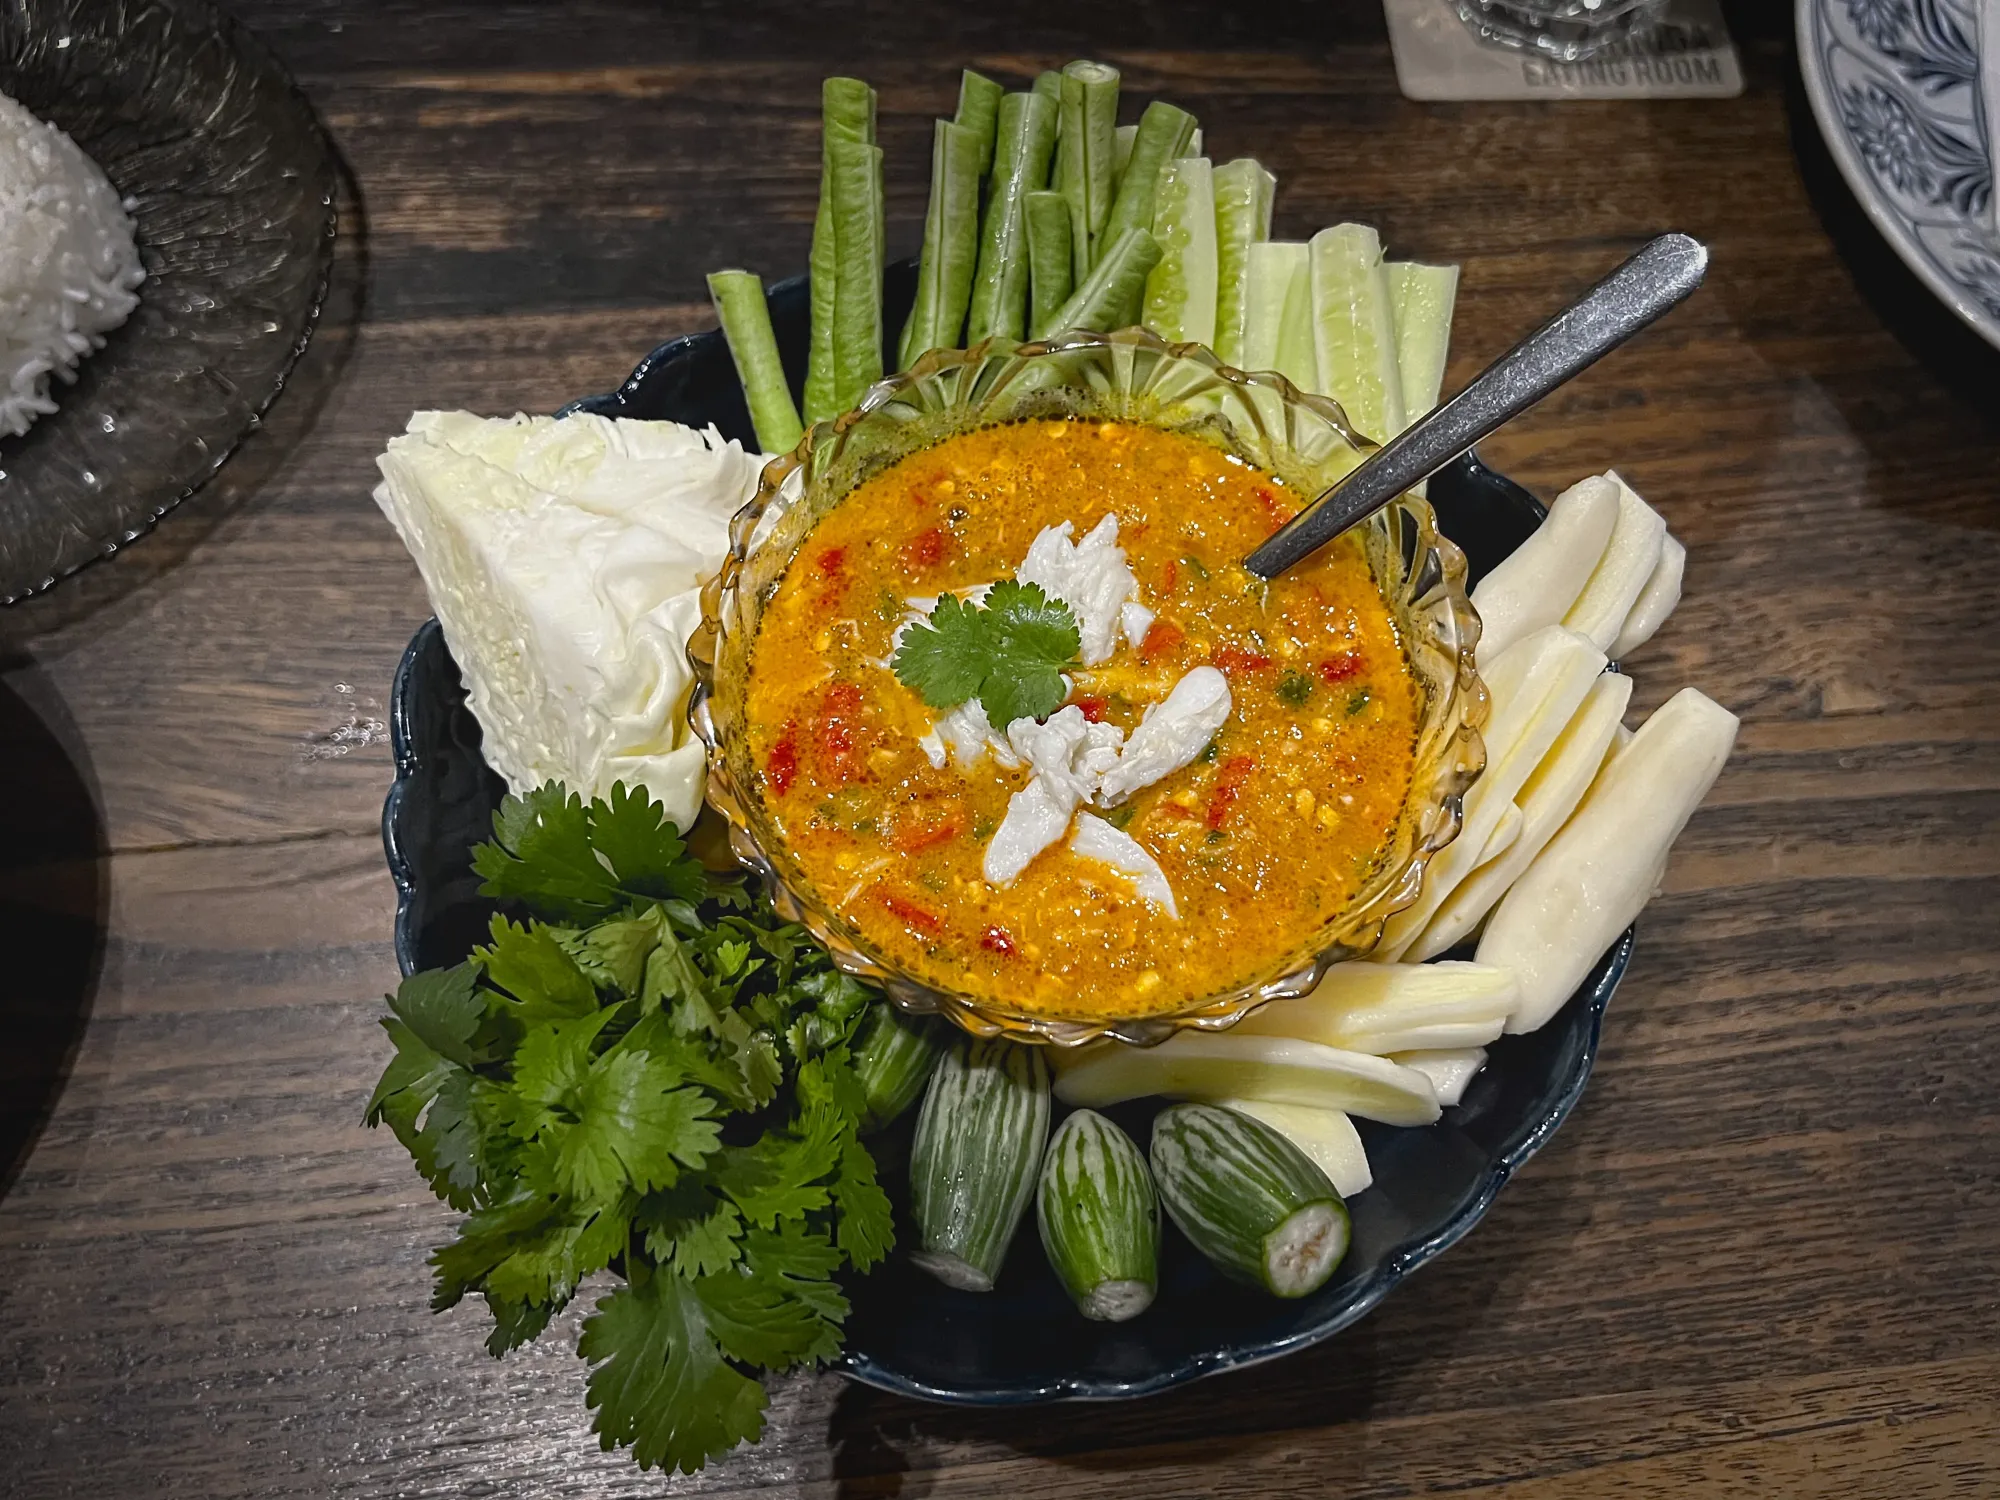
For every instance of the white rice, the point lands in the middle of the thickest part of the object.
(69, 270)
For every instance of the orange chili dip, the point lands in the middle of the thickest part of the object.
(1264, 839)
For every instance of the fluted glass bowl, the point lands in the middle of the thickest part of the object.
(1130, 376)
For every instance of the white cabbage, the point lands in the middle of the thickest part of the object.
(564, 558)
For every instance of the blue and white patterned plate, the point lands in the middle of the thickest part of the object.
(1894, 85)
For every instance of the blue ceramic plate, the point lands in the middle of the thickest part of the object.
(1895, 87)
(1023, 1342)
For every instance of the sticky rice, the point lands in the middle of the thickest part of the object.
(69, 269)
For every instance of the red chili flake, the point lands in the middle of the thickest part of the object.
(1092, 708)
(1273, 507)
(912, 915)
(1235, 771)
(997, 940)
(916, 839)
(926, 549)
(832, 736)
(832, 562)
(1340, 668)
(782, 766)
(1239, 659)
(1161, 637)
(1170, 576)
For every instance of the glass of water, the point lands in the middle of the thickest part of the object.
(1568, 30)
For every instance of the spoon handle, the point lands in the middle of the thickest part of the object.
(1649, 284)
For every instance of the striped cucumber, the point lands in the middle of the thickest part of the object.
(893, 1058)
(972, 1168)
(1249, 1199)
(1100, 1218)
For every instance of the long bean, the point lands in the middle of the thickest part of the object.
(856, 184)
(1243, 192)
(1086, 152)
(746, 323)
(1049, 84)
(1050, 279)
(1121, 153)
(979, 112)
(1110, 296)
(1164, 131)
(1027, 133)
(951, 244)
(847, 111)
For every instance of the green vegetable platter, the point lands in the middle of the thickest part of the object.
(674, 1134)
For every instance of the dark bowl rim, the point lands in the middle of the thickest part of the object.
(242, 40)
(866, 1369)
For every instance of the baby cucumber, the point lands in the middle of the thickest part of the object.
(979, 1144)
(1100, 1218)
(1250, 1200)
(893, 1058)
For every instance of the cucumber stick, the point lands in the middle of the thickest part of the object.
(977, 1152)
(1243, 193)
(1248, 1199)
(1354, 329)
(1180, 290)
(1420, 299)
(1277, 314)
(1100, 1218)
(894, 1056)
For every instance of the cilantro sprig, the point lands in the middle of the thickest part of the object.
(649, 1076)
(1008, 652)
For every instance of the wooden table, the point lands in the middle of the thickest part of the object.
(1764, 1255)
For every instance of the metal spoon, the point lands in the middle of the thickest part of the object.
(1658, 278)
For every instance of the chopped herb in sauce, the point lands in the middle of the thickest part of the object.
(1294, 688)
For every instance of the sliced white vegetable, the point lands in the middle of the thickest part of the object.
(1382, 1008)
(1093, 838)
(1656, 600)
(1622, 573)
(1537, 686)
(1327, 1136)
(1449, 1070)
(1595, 875)
(1504, 833)
(1196, 1065)
(1546, 801)
(1547, 573)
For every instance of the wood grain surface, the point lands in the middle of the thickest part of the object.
(1763, 1257)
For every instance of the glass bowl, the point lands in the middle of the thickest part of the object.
(1306, 441)
(230, 183)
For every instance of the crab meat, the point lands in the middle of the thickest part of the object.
(1136, 620)
(1171, 735)
(1069, 755)
(1093, 838)
(1090, 576)
(967, 737)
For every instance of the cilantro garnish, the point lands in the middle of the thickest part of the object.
(647, 1075)
(1009, 653)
